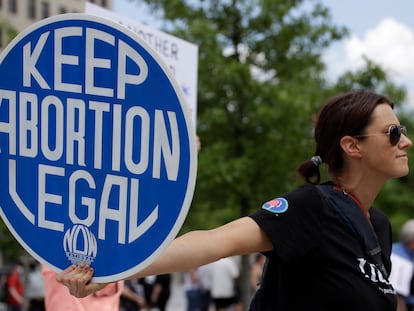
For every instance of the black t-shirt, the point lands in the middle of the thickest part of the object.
(317, 262)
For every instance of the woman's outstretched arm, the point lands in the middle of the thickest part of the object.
(193, 249)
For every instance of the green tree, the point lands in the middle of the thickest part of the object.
(11, 251)
(7, 32)
(260, 81)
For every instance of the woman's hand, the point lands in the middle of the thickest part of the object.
(77, 280)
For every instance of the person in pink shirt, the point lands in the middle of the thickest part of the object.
(58, 298)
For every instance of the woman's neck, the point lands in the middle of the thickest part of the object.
(364, 192)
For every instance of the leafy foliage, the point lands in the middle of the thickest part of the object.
(8, 32)
(260, 85)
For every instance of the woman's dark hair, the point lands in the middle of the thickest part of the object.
(344, 114)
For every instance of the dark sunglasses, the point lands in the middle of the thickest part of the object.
(394, 133)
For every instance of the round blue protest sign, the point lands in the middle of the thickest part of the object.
(97, 149)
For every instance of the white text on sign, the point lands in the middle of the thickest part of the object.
(30, 115)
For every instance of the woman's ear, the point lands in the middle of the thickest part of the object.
(350, 145)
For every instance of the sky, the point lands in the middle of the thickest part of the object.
(383, 30)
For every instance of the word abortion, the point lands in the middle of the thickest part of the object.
(28, 124)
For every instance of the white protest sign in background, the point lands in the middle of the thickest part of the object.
(97, 146)
(180, 56)
(401, 274)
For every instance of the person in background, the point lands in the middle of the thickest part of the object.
(132, 298)
(204, 278)
(35, 293)
(197, 286)
(15, 289)
(58, 298)
(223, 290)
(157, 290)
(192, 290)
(256, 270)
(317, 262)
(403, 263)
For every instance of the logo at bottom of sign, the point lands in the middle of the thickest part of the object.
(80, 245)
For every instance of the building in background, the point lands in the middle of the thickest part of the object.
(16, 15)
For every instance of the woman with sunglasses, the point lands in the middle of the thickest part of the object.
(327, 248)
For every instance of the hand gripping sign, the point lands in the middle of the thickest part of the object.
(97, 149)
